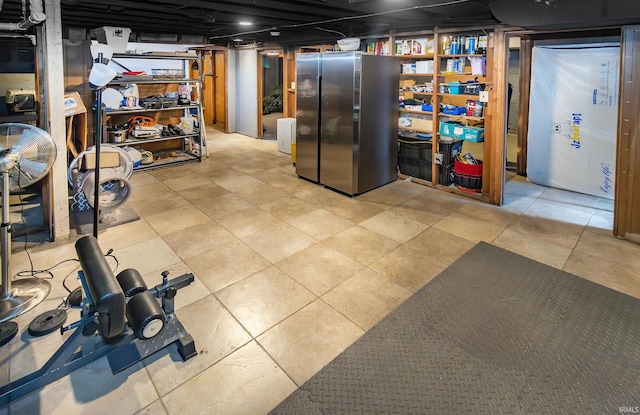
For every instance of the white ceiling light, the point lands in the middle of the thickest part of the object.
(245, 23)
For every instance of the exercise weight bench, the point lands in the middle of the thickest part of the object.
(120, 319)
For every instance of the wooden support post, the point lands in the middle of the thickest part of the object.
(496, 123)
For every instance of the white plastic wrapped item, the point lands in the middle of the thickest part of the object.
(478, 66)
(573, 118)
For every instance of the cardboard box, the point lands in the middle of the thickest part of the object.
(452, 129)
(73, 104)
(422, 46)
(473, 134)
(408, 68)
(411, 123)
(424, 67)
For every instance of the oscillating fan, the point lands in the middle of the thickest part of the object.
(26, 155)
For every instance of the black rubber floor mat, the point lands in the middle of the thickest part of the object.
(494, 333)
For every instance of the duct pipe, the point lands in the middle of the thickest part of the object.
(36, 16)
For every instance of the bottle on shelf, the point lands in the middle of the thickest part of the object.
(471, 45)
(446, 45)
(482, 45)
(454, 45)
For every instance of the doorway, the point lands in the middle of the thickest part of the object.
(272, 98)
(523, 190)
(214, 69)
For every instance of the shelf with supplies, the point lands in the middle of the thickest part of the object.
(466, 118)
(439, 94)
(160, 114)
(404, 110)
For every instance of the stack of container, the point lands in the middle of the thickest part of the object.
(449, 149)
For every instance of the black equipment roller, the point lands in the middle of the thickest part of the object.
(103, 288)
(145, 315)
(131, 282)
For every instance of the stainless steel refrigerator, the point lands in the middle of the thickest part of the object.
(347, 120)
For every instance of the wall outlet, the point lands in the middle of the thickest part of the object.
(484, 96)
(437, 158)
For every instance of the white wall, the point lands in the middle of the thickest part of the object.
(246, 97)
(232, 62)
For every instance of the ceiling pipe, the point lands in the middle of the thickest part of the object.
(36, 16)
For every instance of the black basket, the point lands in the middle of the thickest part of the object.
(413, 167)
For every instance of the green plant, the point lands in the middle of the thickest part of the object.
(273, 101)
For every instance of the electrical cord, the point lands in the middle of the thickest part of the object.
(33, 273)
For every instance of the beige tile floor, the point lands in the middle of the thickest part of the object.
(289, 274)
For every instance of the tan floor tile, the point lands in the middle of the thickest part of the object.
(489, 213)
(248, 221)
(262, 194)
(288, 207)
(534, 248)
(219, 207)
(319, 268)
(149, 191)
(293, 185)
(354, 209)
(147, 256)
(186, 181)
(411, 268)
(308, 340)
(163, 203)
(216, 334)
(226, 265)
(249, 167)
(170, 173)
(174, 220)
(615, 275)
(156, 408)
(393, 194)
(610, 248)
(361, 244)
(320, 196)
(210, 235)
(394, 226)
(415, 209)
(246, 382)
(264, 299)
(366, 298)
(274, 174)
(92, 389)
(44, 258)
(142, 178)
(185, 296)
(27, 353)
(440, 245)
(203, 191)
(470, 228)
(559, 233)
(220, 172)
(279, 242)
(238, 183)
(320, 224)
(515, 203)
(441, 204)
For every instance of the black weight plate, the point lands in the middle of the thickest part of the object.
(8, 331)
(47, 322)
